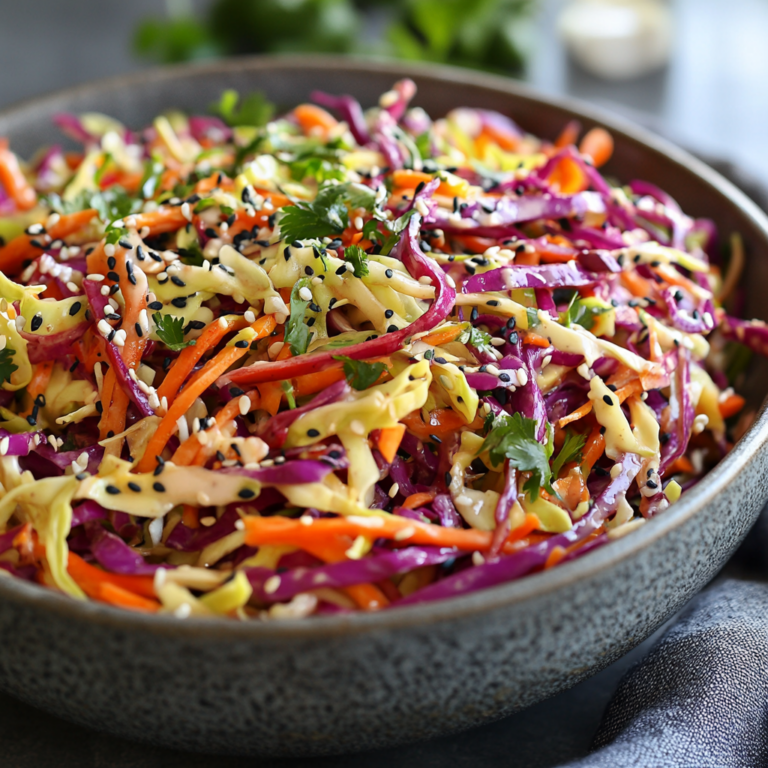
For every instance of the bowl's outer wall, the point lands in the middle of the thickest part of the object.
(363, 682)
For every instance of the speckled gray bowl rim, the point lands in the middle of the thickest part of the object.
(694, 502)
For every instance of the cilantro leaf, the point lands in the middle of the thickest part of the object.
(424, 144)
(254, 110)
(360, 374)
(150, 181)
(480, 340)
(317, 168)
(297, 335)
(581, 313)
(571, 451)
(327, 214)
(514, 438)
(6, 366)
(170, 330)
(358, 258)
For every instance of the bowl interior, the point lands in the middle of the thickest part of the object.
(701, 192)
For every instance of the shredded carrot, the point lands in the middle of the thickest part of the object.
(14, 254)
(593, 450)
(316, 382)
(13, 180)
(164, 219)
(534, 340)
(636, 285)
(89, 578)
(282, 530)
(271, 394)
(407, 179)
(681, 464)
(313, 119)
(190, 356)
(569, 135)
(190, 516)
(389, 440)
(555, 556)
(597, 145)
(568, 177)
(633, 388)
(442, 337)
(731, 405)
(110, 593)
(441, 422)
(418, 500)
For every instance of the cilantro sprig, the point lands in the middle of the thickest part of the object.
(327, 214)
(254, 109)
(7, 367)
(514, 438)
(297, 335)
(571, 451)
(358, 258)
(170, 330)
(360, 374)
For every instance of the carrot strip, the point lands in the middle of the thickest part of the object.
(14, 254)
(271, 394)
(11, 177)
(190, 356)
(597, 145)
(418, 500)
(115, 595)
(441, 421)
(190, 516)
(164, 219)
(731, 406)
(89, 577)
(633, 388)
(681, 464)
(407, 179)
(593, 450)
(281, 530)
(555, 556)
(315, 382)
(312, 118)
(442, 337)
(534, 340)
(389, 441)
(569, 135)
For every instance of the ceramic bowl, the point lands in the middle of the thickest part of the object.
(336, 684)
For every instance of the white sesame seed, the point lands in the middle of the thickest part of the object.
(72, 287)
(223, 322)
(186, 211)
(616, 470)
(492, 369)
(272, 584)
(305, 520)
(405, 533)
(280, 318)
(183, 427)
(250, 317)
(425, 280)
(120, 338)
(52, 220)
(275, 348)
(96, 277)
(700, 423)
(356, 427)
(203, 499)
(144, 232)
(497, 342)
(244, 404)
(422, 207)
(451, 282)
(583, 371)
(305, 293)
(522, 377)
(104, 327)
(394, 490)
(208, 521)
(4, 445)
(358, 222)
(109, 249)
(104, 290)
(240, 525)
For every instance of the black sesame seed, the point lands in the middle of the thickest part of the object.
(179, 302)
(129, 270)
(447, 478)
(652, 485)
(156, 305)
(113, 276)
(388, 272)
(242, 344)
(342, 269)
(419, 187)
(492, 303)
(473, 315)
(211, 232)
(612, 387)
(246, 493)
(602, 430)
(664, 438)
(504, 377)
(75, 308)
(311, 321)
(111, 433)
(440, 360)
(99, 407)
(388, 313)
(607, 399)
(112, 489)
(111, 262)
(139, 330)
(513, 338)
(313, 433)
(36, 244)
(74, 365)
(125, 244)
(297, 244)
(176, 280)
(135, 487)
(159, 487)
(287, 253)
(331, 303)
(37, 321)
(391, 328)
(309, 271)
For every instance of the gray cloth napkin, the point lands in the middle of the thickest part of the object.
(700, 698)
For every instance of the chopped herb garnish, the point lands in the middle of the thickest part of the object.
(170, 330)
(570, 452)
(297, 335)
(7, 367)
(360, 374)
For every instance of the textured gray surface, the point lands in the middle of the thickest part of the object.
(371, 681)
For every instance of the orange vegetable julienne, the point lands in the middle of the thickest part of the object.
(13, 180)
(633, 388)
(569, 135)
(442, 337)
(407, 179)
(597, 144)
(389, 440)
(316, 382)
(313, 119)
(14, 254)
(731, 405)
(534, 340)
(89, 577)
(416, 500)
(113, 594)
(280, 530)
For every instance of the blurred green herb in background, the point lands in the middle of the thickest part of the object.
(486, 34)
